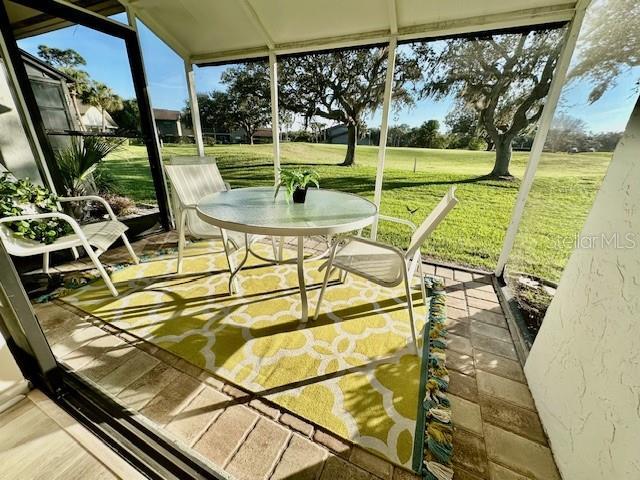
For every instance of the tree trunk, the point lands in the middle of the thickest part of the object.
(251, 138)
(490, 144)
(503, 158)
(352, 135)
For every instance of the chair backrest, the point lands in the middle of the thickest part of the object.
(194, 177)
(432, 221)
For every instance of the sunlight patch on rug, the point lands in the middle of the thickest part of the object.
(352, 371)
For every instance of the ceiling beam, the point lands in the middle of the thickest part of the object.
(484, 23)
(257, 23)
(42, 23)
(393, 16)
(496, 21)
(163, 34)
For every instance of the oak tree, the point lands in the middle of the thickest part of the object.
(609, 45)
(503, 77)
(343, 87)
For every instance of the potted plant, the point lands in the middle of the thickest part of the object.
(297, 181)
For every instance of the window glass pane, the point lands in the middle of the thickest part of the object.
(469, 124)
(82, 82)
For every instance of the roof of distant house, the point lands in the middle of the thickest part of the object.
(43, 66)
(263, 133)
(83, 107)
(164, 114)
(94, 118)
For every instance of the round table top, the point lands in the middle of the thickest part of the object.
(255, 210)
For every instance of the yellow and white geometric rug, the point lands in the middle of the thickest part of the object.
(352, 371)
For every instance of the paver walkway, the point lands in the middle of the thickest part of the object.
(497, 435)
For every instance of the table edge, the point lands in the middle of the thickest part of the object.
(290, 231)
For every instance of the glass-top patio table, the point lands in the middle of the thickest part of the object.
(255, 211)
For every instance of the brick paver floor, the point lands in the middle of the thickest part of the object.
(497, 431)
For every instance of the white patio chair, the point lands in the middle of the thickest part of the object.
(191, 179)
(95, 238)
(384, 264)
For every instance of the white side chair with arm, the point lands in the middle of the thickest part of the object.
(384, 264)
(192, 178)
(95, 238)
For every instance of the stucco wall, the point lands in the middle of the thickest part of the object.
(584, 367)
(12, 384)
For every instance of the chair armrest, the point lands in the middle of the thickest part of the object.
(401, 221)
(41, 216)
(367, 241)
(91, 198)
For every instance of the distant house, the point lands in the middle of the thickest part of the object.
(338, 134)
(168, 122)
(60, 110)
(261, 135)
(92, 119)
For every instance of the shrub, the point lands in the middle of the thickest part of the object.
(22, 197)
(80, 160)
(120, 205)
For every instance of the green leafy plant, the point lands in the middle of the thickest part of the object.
(297, 178)
(79, 163)
(23, 197)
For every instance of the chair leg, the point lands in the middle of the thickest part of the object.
(125, 240)
(422, 287)
(103, 273)
(181, 239)
(45, 263)
(233, 286)
(326, 280)
(280, 248)
(275, 249)
(407, 288)
(76, 255)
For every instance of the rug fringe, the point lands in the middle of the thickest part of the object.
(438, 448)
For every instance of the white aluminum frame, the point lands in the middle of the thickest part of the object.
(195, 108)
(384, 127)
(275, 121)
(544, 123)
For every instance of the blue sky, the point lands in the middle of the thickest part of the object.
(107, 62)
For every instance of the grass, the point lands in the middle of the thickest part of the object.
(473, 232)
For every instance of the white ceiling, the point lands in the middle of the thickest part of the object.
(221, 30)
(204, 31)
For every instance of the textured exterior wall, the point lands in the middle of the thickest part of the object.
(12, 383)
(584, 368)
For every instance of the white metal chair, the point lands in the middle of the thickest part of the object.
(192, 178)
(384, 264)
(95, 238)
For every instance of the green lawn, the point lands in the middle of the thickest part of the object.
(472, 234)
